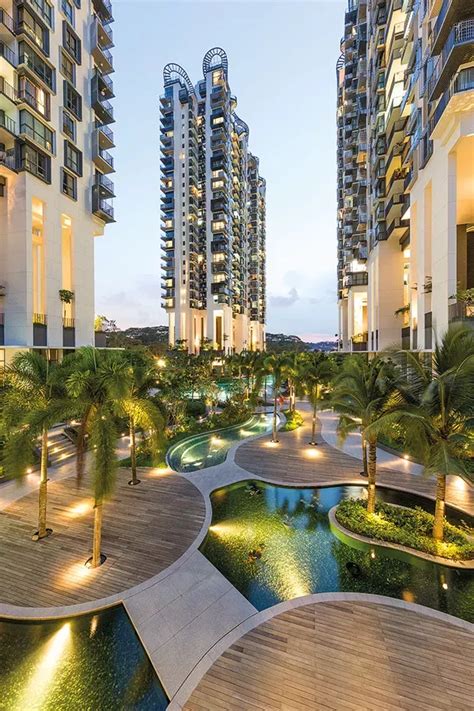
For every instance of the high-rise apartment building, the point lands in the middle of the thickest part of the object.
(55, 137)
(213, 214)
(418, 56)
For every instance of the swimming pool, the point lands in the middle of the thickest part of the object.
(94, 661)
(208, 449)
(274, 543)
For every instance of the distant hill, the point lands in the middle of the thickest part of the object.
(278, 342)
(156, 338)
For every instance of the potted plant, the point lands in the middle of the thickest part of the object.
(66, 297)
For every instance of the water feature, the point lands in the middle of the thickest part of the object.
(94, 661)
(275, 543)
(208, 449)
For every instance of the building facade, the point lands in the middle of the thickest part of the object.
(55, 189)
(213, 214)
(419, 162)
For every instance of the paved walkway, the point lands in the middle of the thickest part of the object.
(145, 529)
(343, 655)
(294, 461)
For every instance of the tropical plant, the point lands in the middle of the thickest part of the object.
(97, 383)
(34, 400)
(361, 395)
(435, 406)
(292, 366)
(313, 381)
(275, 365)
(137, 407)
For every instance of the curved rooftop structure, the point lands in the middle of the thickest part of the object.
(241, 126)
(175, 72)
(215, 57)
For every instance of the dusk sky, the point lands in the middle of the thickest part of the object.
(282, 58)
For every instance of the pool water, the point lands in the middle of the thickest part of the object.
(88, 662)
(275, 543)
(208, 449)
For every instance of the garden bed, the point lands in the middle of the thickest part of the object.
(410, 528)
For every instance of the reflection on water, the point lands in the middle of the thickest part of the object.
(88, 662)
(207, 450)
(274, 543)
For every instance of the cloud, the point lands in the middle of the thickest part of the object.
(137, 305)
(284, 301)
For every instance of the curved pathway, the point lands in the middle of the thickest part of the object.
(140, 538)
(294, 461)
(342, 655)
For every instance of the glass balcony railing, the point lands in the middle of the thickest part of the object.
(8, 54)
(461, 34)
(7, 123)
(463, 81)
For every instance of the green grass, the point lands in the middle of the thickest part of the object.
(293, 420)
(407, 527)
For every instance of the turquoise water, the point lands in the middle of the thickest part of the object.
(79, 664)
(210, 448)
(293, 551)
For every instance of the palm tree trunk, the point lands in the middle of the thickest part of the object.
(364, 455)
(438, 527)
(313, 429)
(372, 476)
(133, 454)
(80, 452)
(43, 488)
(275, 419)
(96, 543)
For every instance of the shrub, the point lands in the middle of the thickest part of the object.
(407, 527)
(294, 419)
(195, 408)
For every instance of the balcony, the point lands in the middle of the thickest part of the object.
(459, 48)
(101, 208)
(7, 26)
(461, 313)
(105, 86)
(8, 54)
(69, 333)
(399, 228)
(8, 94)
(100, 39)
(7, 127)
(8, 160)
(105, 137)
(103, 159)
(104, 186)
(104, 9)
(451, 11)
(103, 108)
(356, 279)
(462, 82)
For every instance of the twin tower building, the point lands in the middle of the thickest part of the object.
(56, 191)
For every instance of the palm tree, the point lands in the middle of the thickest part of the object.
(361, 396)
(34, 401)
(274, 364)
(292, 365)
(97, 385)
(435, 407)
(136, 406)
(312, 380)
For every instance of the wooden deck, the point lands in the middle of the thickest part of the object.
(343, 656)
(291, 462)
(145, 529)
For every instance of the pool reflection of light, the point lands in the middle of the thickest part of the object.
(49, 658)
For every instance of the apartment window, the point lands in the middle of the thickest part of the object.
(217, 121)
(67, 66)
(34, 29)
(69, 126)
(68, 184)
(72, 158)
(35, 162)
(37, 131)
(68, 10)
(27, 56)
(72, 100)
(44, 10)
(37, 98)
(71, 42)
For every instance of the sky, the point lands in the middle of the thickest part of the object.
(282, 57)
